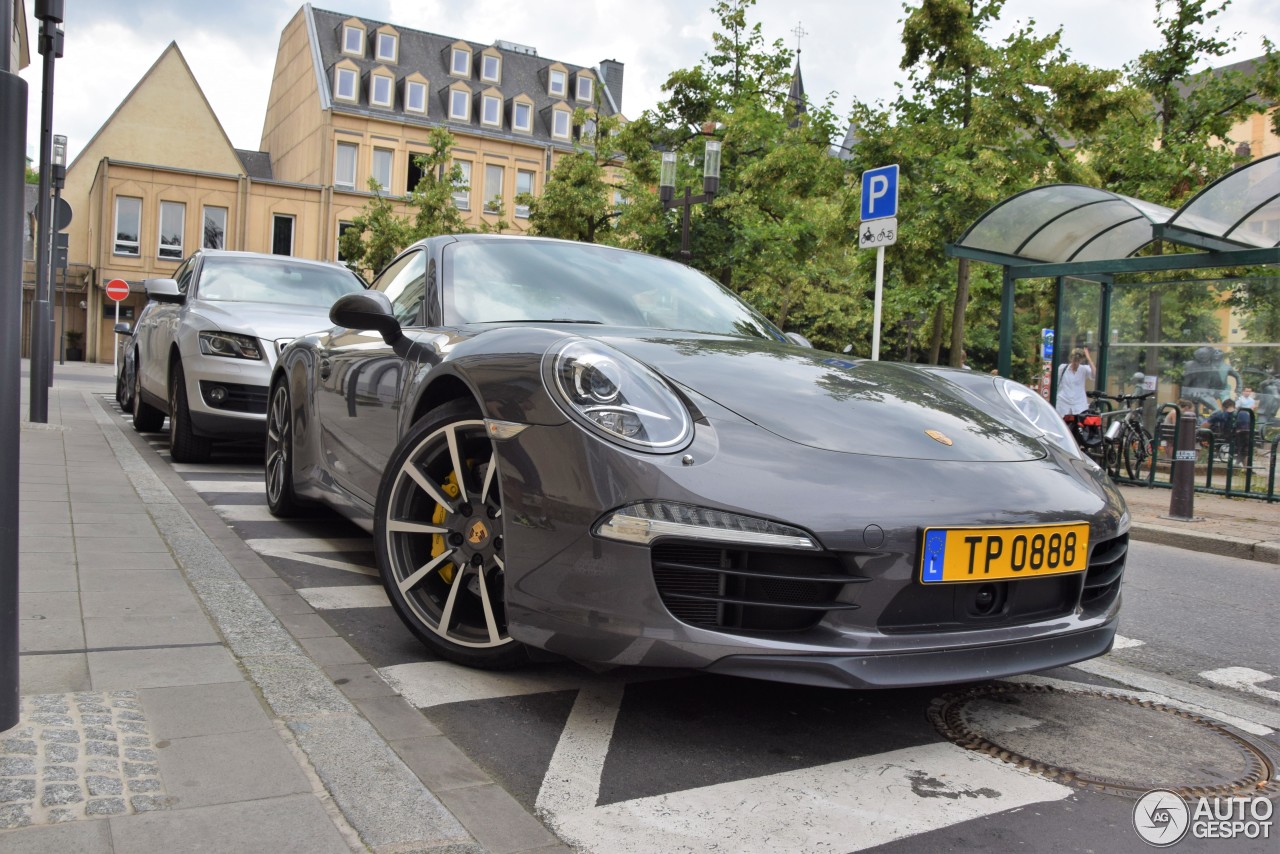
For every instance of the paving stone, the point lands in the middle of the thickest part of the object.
(102, 785)
(103, 766)
(161, 668)
(68, 736)
(291, 824)
(59, 774)
(15, 815)
(58, 794)
(136, 741)
(149, 803)
(104, 806)
(43, 674)
(60, 815)
(61, 753)
(214, 769)
(51, 719)
(99, 734)
(139, 754)
(140, 769)
(101, 748)
(11, 766)
(144, 784)
(18, 745)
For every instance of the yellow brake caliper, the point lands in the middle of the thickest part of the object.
(438, 544)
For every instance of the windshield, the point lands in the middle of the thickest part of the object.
(493, 281)
(229, 279)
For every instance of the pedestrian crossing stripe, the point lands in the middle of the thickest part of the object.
(345, 596)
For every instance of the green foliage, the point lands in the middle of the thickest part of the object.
(577, 203)
(380, 231)
(32, 176)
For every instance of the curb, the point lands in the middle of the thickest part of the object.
(1263, 551)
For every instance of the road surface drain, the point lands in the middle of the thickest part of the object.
(1103, 741)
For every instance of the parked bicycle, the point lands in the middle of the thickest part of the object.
(1126, 441)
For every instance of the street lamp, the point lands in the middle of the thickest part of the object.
(710, 186)
(58, 178)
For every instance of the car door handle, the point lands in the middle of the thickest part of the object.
(325, 369)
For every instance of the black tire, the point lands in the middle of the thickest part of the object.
(184, 445)
(278, 460)
(438, 535)
(146, 418)
(1138, 460)
(1111, 458)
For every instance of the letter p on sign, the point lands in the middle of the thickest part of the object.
(880, 192)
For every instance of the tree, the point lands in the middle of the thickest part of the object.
(32, 177)
(578, 200)
(430, 204)
(975, 123)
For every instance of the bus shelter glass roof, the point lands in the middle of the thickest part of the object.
(1242, 206)
(1066, 222)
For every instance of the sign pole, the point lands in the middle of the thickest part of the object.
(115, 351)
(875, 330)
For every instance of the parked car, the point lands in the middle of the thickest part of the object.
(125, 348)
(608, 456)
(204, 348)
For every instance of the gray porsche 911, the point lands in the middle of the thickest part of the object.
(607, 456)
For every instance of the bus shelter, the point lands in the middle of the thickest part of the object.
(1073, 232)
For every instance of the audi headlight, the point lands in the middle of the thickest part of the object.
(230, 345)
(617, 397)
(1043, 417)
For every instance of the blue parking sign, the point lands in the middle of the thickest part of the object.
(880, 192)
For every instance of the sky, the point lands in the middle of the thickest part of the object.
(850, 48)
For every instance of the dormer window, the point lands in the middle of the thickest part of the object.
(491, 110)
(381, 87)
(491, 68)
(522, 116)
(560, 123)
(460, 103)
(584, 87)
(387, 45)
(415, 96)
(346, 80)
(557, 83)
(353, 38)
(460, 62)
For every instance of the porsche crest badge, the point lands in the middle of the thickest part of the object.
(939, 436)
(478, 534)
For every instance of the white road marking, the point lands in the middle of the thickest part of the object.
(1210, 704)
(435, 683)
(214, 468)
(572, 781)
(309, 544)
(315, 560)
(1243, 679)
(239, 486)
(245, 513)
(1127, 643)
(346, 596)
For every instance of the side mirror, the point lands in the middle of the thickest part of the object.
(798, 339)
(164, 290)
(123, 329)
(367, 310)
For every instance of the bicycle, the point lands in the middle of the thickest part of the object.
(1127, 440)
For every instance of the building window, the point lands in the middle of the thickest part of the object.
(380, 88)
(344, 165)
(413, 175)
(491, 69)
(460, 105)
(387, 44)
(556, 83)
(415, 97)
(560, 124)
(215, 228)
(460, 62)
(584, 88)
(462, 187)
(353, 40)
(128, 226)
(343, 228)
(524, 185)
(382, 167)
(282, 234)
(491, 111)
(173, 222)
(493, 176)
(345, 84)
(522, 117)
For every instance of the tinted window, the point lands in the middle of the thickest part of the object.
(267, 280)
(491, 281)
(405, 284)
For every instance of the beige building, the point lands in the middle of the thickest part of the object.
(350, 99)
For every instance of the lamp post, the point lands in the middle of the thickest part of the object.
(58, 178)
(710, 186)
(50, 14)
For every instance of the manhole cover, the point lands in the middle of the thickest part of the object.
(1104, 741)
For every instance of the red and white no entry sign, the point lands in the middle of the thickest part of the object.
(117, 289)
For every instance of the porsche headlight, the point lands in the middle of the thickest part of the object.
(617, 397)
(230, 345)
(1043, 417)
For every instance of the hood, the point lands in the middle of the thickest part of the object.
(265, 320)
(825, 401)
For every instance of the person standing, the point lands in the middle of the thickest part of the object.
(1073, 378)
(1246, 400)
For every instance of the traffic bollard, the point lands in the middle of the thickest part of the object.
(1182, 503)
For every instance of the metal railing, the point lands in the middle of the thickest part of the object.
(1229, 464)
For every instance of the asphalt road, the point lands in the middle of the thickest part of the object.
(638, 761)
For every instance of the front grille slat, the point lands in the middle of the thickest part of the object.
(745, 589)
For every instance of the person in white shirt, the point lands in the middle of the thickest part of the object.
(1246, 400)
(1073, 378)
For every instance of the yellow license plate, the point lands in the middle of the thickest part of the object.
(958, 555)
